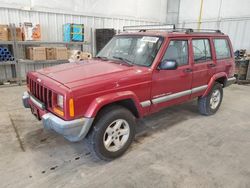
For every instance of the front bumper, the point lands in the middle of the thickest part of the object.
(73, 131)
(26, 97)
(230, 81)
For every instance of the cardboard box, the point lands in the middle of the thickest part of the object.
(18, 34)
(50, 53)
(36, 53)
(3, 32)
(59, 53)
(30, 31)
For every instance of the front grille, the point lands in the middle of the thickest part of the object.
(40, 92)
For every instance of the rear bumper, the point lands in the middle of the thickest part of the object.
(230, 81)
(73, 131)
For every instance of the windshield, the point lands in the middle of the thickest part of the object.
(139, 50)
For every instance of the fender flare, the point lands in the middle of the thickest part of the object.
(101, 101)
(212, 81)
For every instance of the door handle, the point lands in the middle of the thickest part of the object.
(211, 65)
(188, 70)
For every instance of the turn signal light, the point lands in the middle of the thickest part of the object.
(58, 111)
(71, 108)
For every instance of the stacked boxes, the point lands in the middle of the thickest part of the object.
(59, 53)
(73, 32)
(25, 32)
(43, 53)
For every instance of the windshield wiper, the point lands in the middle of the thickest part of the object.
(124, 60)
(102, 58)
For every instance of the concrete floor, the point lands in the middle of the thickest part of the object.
(176, 147)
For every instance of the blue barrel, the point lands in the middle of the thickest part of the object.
(5, 49)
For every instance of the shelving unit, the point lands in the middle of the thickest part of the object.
(48, 42)
(15, 71)
(8, 68)
(27, 61)
(7, 63)
(7, 42)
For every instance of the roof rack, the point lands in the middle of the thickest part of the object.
(189, 30)
(167, 27)
(144, 28)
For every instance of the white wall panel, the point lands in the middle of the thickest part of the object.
(150, 10)
(230, 16)
(237, 29)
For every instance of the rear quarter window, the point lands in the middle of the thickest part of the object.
(222, 50)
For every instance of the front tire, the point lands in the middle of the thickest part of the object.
(209, 104)
(112, 133)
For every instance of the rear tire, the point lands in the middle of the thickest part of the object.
(209, 104)
(112, 133)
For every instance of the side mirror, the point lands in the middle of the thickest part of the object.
(168, 65)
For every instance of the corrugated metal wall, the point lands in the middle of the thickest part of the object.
(237, 29)
(51, 23)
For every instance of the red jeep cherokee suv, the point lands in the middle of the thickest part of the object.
(134, 75)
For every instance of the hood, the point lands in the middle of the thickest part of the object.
(90, 72)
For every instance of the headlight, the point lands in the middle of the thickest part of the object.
(60, 101)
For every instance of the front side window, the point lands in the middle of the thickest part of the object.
(178, 51)
(222, 49)
(139, 50)
(201, 49)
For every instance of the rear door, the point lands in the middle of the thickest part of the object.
(204, 65)
(223, 56)
(173, 86)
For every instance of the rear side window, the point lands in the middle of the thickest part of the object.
(177, 50)
(222, 49)
(201, 49)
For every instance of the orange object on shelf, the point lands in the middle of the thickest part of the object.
(31, 32)
(36, 32)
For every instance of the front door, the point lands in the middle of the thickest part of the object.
(172, 86)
